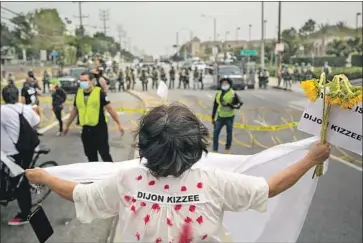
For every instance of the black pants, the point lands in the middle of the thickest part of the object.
(121, 86)
(154, 84)
(45, 84)
(58, 114)
(144, 85)
(22, 194)
(171, 83)
(95, 140)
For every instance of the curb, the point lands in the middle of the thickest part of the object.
(132, 155)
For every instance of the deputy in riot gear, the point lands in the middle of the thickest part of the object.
(262, 78)
(133, 80)
(326, 69)
(309, 72)
(195, 77)
(121, 81)
(155, 78)
(143, 79)
(163, 75)
(128, 77)
(286, 76)
(171, 78)
(296, 73)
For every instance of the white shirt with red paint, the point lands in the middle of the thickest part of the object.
(155, 210)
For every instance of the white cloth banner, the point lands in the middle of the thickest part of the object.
(286, 212)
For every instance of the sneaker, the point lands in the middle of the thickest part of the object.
(228, 151)
(17, 220)
(58, 134)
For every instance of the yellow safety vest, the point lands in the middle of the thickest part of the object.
(89, 113)
(225, 111)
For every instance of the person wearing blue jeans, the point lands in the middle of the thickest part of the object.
(225, 103)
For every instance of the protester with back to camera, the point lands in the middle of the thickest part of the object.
(10, 134)
(146, 197)
(89, 104)
(225, 102)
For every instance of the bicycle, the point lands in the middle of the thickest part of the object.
(38, 192)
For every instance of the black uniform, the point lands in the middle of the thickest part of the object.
(172, 78)
(58, 98)
(29, 92)
(155, 79)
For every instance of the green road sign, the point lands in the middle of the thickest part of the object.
(248, 53)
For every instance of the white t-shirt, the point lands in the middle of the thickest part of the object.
(154, 210)
(10, 120)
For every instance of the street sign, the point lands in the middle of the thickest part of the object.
(248, 53)
(54, 53)
(279, 47)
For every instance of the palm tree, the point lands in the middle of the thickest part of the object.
(341, 27)
(323, 29)
(355, 44)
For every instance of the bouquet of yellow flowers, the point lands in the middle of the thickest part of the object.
(339, 92)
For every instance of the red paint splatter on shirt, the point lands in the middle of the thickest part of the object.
(151, 183)
(137, 236)
(158, 240)
(166, 187)
(155, 206)
(204, 237)
(199, 220)
(200, 185)
(139, 178)
(168, 221)
(133, 208)
(133, 200)
(177, 207)
(187, 220)
(192, 208)
(127, 198)
(185, 235)
(183, 189)
(142, 204)
(147, 219)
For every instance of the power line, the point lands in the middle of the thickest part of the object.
(104, 17)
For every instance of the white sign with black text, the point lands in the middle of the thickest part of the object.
(344, 128)
(171, 199)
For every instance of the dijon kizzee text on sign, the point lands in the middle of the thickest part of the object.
(344, 128)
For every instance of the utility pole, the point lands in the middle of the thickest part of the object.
(262, 36)
(177, 43)
(279, 59)
(81, 27)
(104, 17)
(121, 34)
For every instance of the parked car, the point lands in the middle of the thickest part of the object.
(199, 66)
(233, 72)
(70, 81)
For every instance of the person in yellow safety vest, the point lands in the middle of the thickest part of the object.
(225, 102)
(89, 103)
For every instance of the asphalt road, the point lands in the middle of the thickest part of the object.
(334, 216)
(67, 150)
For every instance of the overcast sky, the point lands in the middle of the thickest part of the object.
(152, 26)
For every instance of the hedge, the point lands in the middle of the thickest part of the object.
(319, 61)
(351, 73)
(357, 60)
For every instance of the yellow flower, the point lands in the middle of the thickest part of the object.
(311, 89)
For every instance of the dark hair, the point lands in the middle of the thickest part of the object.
(172, 139)
(89, 74)
(10, 94)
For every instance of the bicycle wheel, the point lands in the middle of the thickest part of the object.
(41, 192)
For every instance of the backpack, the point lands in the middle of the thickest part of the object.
(28, 137)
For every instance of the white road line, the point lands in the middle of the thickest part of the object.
(260, 123)
(50, 126)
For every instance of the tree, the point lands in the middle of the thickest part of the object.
(208, 51)
(323, 29)
(7, 36)
(338, 48)
(308, 28)
(342, 28)
(355, 44)
(49, 30)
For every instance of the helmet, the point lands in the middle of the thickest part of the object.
(30, 73)
(10, 94)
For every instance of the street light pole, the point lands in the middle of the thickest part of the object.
(249, 32)
(356, 20)
(279, 60)
(237, 39)
(262, 36)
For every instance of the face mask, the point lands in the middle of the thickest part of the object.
(84, 85)
(225, 87)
